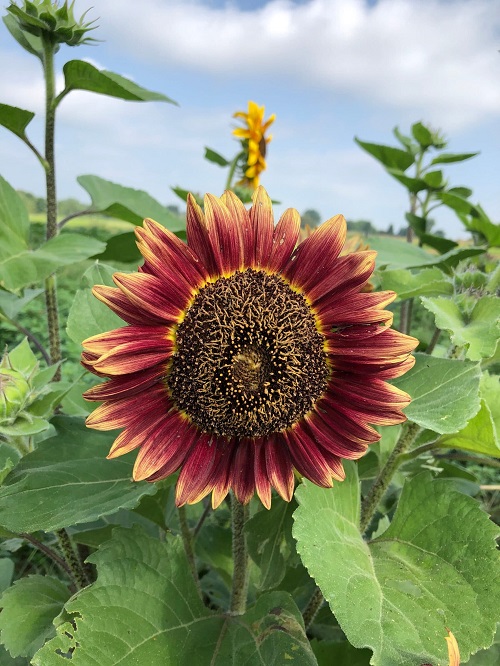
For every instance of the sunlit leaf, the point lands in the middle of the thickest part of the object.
(389, 156)
(432, 569)
(429, 282)
(444, 392)
(14, 119)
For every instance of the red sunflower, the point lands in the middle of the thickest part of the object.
(245, 357)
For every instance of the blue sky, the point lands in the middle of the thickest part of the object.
(329, 69)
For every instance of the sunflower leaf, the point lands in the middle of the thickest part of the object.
(434, 567)
(145, 593)
(428, 282)
(28, 610)
(16, 120)
(444, 392)
(479, 329)
(67, 481)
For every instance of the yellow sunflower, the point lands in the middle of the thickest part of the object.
(254, 141)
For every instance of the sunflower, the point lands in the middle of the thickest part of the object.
(245, 357)
(254, 142)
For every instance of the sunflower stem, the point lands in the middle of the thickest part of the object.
(187, 540)
(239, 515)
(312, 608)
(232, 169)
(377, 491)
(50, 179)
(49, 552)
(72, 559)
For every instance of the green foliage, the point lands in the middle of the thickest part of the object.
(16, 120)
(397, 594)
(67, 481)
(152, 597)
(81, 75)
(28, 610)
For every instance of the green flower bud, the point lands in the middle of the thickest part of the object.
(14, 394)
(54, 24)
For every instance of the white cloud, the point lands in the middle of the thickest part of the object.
(433, 54)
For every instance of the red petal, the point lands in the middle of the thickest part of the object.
(123, 413)
(121, 387)
(105, 342)
(261, 216)
(388, 347)
(121, 305)
(359, 308)
(243, 471)
(88, 361)
(240, 217)
(175, 255)
(197, 477)
(315, 257)
(197, 237)
(326, 429)
(225, 236)
(262, 484)
(223, 474)
(150, 294)
(285, 238)
(346, 274)
(165, 448)
(132, 437)
(307, 458)
(133, 357)
(279, 466)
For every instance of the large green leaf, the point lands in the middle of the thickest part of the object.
(444, 392)
(144, 609)
(435, 567)
(122, 247)
(14, 222)
(330, 653)
(128, 204)
(216, 158)
(389, 156)
(81, 75)
(31, 266)
(28, 611)
(395, 253)
(479, 329)
(14, 119)
(88, 316)
(481, 434)
(414, 185)
(67, 481)
(428, 282)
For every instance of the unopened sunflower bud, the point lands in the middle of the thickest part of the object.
(52, 23)
(14, 394)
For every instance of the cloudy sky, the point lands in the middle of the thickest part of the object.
(329, 69)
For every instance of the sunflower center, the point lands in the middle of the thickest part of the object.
(249, 358)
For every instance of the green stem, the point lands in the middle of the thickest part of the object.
(240, 558)
(31, 336)
(50, 180)
(434, 340)
(187, 540)
(72, 559)
(232, 169)
(47, 550)
(405, 316)
(312, 608)
(376, 492)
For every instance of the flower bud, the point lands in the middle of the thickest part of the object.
(52, 23)
(14, 394)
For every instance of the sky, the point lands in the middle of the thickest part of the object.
(329, 69)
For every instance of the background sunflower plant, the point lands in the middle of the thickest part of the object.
(287, 449)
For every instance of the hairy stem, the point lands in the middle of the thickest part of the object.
(312, 608)
(72, 559)
(240, 558)
(434, 340)
(50, 180)
(405, 316)
(202, 519)
(80, 213)
(232, 169)
(187, 540)
(51, 554)
(381, 483)
(31, 337)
